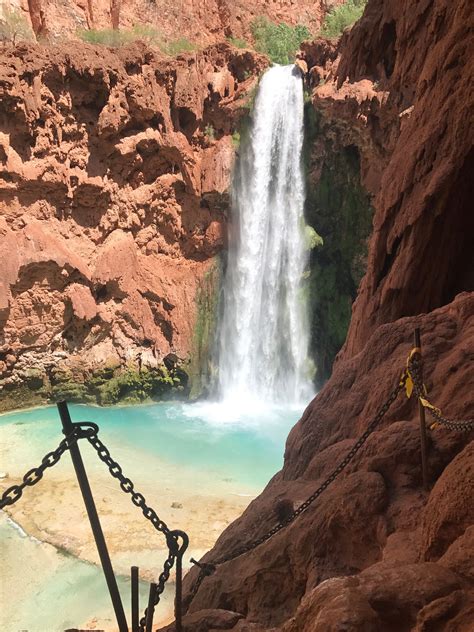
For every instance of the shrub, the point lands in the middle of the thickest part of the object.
(175, 47)
(341, 17)
(279, 41)
(14, 26)
(141, 32)
(106, 37)
(237, 42)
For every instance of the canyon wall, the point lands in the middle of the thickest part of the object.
(377, 551)
(113, 190)
(199, 21)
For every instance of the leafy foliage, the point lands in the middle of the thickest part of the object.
(341, 17)
(279, 41)
(14, 26)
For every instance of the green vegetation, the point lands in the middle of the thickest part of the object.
(175, 47)
(107, 385)
(141, 32)
(132, 386)
(312, 239)
(210, 132)
(14, 26)
(341, 17)
(237, 42)
(207, 299)
(236, 139)
(106, 37)
(339, 209)
(279, 41)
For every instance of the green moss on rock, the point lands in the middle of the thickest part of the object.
(207, 300)
(339, 210)
(107, 385)
(132, 386)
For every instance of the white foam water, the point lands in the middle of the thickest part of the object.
(264, 327)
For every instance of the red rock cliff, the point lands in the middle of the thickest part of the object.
(200, 21)
(377, 551)
(113, 190)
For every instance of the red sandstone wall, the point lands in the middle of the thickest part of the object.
(112, 199)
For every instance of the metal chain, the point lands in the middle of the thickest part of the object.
(209, 567)
(414, 367)
(33, 476)
(90, 431)
(127, 486)
(163, 578)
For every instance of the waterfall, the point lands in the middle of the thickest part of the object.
(263, 337)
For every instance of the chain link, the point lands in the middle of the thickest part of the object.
(209, 567)
(33, 476)
(415, 368)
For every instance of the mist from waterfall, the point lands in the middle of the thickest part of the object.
(263, 333)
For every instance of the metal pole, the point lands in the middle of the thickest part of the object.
(421, 412)
(178, 604)
(150, 611)
(135, 600)
(81, 474)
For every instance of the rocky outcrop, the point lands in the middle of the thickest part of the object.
(379, 94)
(201, 22)
(376, 551)
(113, 193)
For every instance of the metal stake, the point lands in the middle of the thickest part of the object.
(81, 474)
(178, 603)
(135, 600)
(421, 411)
(150, 611)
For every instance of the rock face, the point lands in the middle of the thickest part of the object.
(200, 21)
(113, 193)
(376, 551)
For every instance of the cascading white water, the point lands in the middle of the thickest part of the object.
(264, 328)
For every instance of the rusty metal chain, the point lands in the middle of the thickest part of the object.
(207, 568)
(414, 367)
(127, 486)
(33, 476)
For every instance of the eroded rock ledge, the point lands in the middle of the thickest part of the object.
(113, 191)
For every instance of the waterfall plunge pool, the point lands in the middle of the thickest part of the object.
(198, 465)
